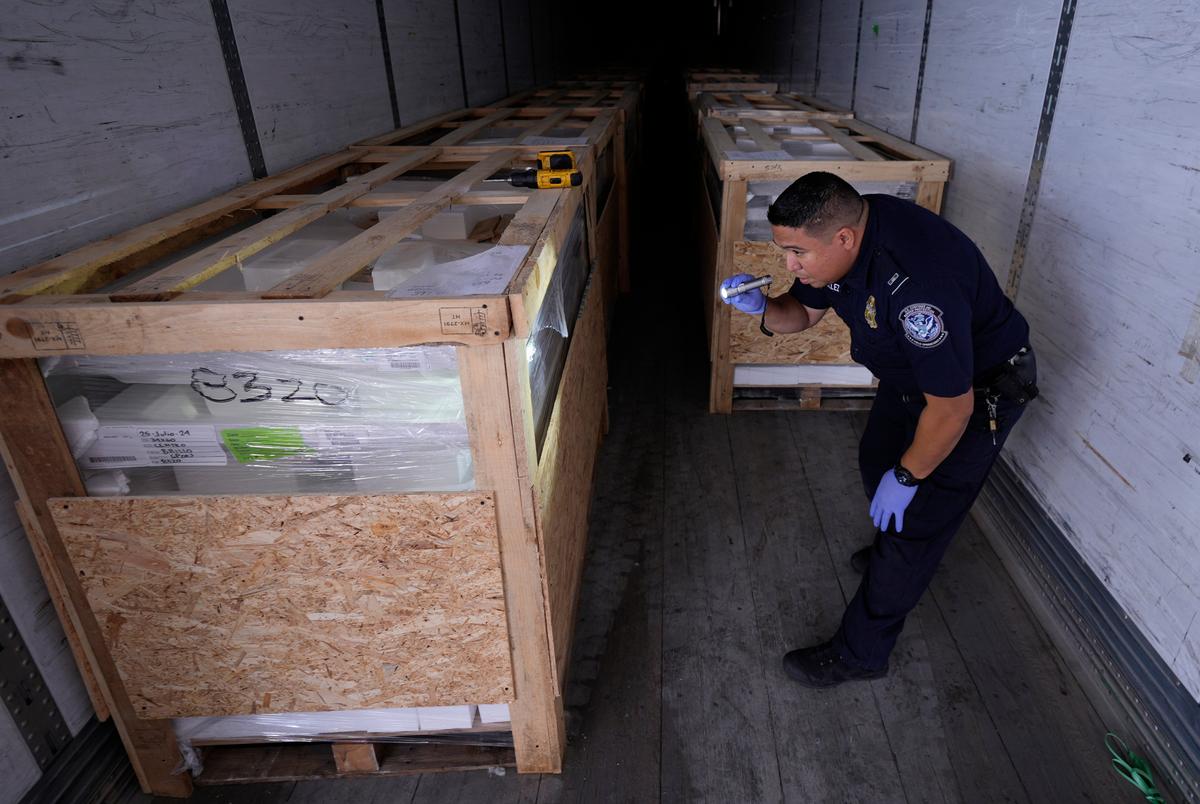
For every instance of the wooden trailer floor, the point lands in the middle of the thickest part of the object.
(717, 544)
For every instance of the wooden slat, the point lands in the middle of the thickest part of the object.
(887, 170)
(596, 128)
(192, 323)
(911, 150)
(41, 466)
(336, 266)
(543, 125)
(733, 220)
(718, 140)
(70, 272)
(409, 131)
(514, 195)
(761, 138)
(211, 261)
(856, 148)
(529, 222)
(465, 131)
(537, 714)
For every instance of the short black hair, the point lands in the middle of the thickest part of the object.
(820, 202)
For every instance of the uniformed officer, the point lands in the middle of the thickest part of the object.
(952, 356)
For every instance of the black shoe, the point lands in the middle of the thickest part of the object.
(859, 559)
(822, 666)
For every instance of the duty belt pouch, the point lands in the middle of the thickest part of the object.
(1017, 382)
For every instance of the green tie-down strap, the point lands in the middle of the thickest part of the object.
(1132, 768)
(252, 444)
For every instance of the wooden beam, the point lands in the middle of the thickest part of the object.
(465, 131)
(355, 758)
(328, 271)
(908, 149)
(217, 258)
(855, 148)
(717, 140)
(71, 271)
(41, 466)
(537, 713)
(542, 126)
(733, 220)
(515, 195)
(761, 138)
(409, 131)
(343, 320)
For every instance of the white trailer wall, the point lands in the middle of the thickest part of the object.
(116, 112)
(1110, 282)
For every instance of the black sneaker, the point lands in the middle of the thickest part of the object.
(859, 559)
(822, 666)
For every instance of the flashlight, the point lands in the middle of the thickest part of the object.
(738, 290)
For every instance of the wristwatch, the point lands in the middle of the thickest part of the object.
(905, 477)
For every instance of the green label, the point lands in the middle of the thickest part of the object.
(250, 444)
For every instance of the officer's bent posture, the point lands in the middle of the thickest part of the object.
(927, 317)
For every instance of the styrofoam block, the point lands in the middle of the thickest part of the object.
(457, 222)
(409, 257)
(437, 718)
(494, 713)
(294, 253)
(79, 424)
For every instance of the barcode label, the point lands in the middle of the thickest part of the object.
(156, 445)
(112, 458)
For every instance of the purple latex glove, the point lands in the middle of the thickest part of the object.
(752, 301)
(891, 498)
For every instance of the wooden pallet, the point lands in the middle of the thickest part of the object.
(739, 151)
(724, 80)
(532, 488)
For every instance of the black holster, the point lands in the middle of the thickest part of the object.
(1014, 380)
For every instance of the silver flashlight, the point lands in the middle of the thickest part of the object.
(738, 290)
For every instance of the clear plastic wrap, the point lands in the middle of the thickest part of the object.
(546, 348)
(338, 421)
(760, 195)
(296, 727)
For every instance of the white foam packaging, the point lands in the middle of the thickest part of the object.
(441, 718)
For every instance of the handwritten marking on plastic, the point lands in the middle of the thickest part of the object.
(249, 386)
(464, 321)
(55, 335)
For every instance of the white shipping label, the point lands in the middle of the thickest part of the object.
(120, 446)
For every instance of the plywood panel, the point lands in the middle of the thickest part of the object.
(315, 74)
(107, 119)
(985, 78)
(424, 49)
(563, 484)
(889, 59)
(827, 343)
(240, 605)
(483, 51)
(1113, 297)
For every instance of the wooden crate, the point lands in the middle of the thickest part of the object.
(726, 80)
(766, 106)
(742, 152)
(141, 578)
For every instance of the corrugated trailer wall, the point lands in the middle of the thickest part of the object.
(1072, 129)
(116, 113)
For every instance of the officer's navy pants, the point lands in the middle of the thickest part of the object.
(902, 564)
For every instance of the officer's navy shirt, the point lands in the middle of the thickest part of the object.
(924, 309)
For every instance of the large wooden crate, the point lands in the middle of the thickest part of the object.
(811, 369)
(463, 596)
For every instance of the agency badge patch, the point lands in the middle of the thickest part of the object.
(923, 325)
(869, 313)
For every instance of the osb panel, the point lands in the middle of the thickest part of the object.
(241, 605)
(828, 343)
(563, 483)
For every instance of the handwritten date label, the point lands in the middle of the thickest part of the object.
(123, 446)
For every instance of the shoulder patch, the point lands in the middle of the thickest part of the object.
(923, 325)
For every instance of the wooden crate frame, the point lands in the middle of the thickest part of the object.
(726, 80)
(878, 156)
(603, 134)
(541, 497)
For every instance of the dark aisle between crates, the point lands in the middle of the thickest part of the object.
(716, 544)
